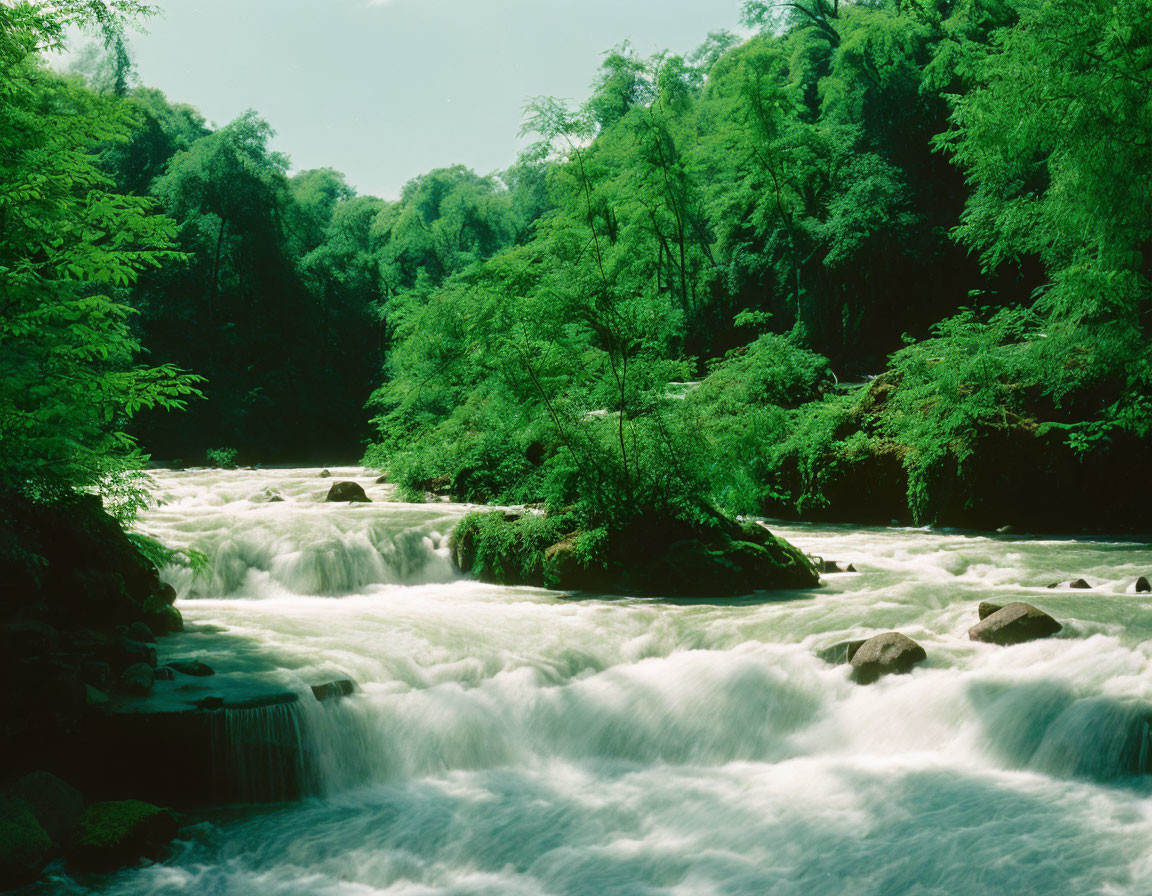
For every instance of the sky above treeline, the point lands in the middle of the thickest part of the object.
(384, 91)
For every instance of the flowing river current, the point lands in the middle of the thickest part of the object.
(520, 741)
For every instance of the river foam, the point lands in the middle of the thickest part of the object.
(517, 741)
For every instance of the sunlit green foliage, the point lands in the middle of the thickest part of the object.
(71, 247)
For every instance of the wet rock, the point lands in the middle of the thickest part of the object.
(324, 474)
(163, 673)
(347, 491)
(139, 631)
(1143, 586)
(886, 654)
(192, 667)
(830, 566)
(131, 652)
(94, 696)
(1014, 623)
(333, 690)
(1071, 583)
(986, 609)
(24, 844)
(55, 803)
(841, 653)
(136, 680)
(382, 479)
(210, 702)
(113, 834)
(166, 594)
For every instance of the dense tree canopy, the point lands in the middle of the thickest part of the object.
(900, 243)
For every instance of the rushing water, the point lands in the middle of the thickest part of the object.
(516, 741)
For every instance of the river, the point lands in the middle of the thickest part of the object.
(517, 741)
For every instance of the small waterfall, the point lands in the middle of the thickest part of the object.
(260, 754)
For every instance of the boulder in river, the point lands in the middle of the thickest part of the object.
(119, 833)
(1014, 623)
(324, 474)
(136, 680)
(986, 609)
(382, 479)
(347, 491)
(886, 654)
(191, 667)
(1078, 584)
(1143, 586)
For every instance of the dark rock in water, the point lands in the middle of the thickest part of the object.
(889, 653)
(841, 653)
(829, 566)
(131, 652)
(382, 479)
(347, 491)
(136, 680)
(94, 696)
(275, 499)
(1143, 586)
(24, 844)
(191, 667)
(1072, 583)
(324, 474)
(163, 673)
(986, 609)
(1014, 623)
(138, 631)
(56, 804)
(113, 834)
(333, 689)
(166, 594)
(210, 702)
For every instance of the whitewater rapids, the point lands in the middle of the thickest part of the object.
(518, 741)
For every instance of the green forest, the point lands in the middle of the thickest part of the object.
(869, 261)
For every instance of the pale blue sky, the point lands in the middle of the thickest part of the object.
(384, 91)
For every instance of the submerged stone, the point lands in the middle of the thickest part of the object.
(1078, 584)
(841, 653)
(1014, 623)
(1143, 586)
(192, 667)
(886, 654)
(333, 690)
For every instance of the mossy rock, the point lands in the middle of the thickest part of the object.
(112, 834)
(670, 557)
(55, 803)
(24, 844)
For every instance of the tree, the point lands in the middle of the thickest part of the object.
(72, 246)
